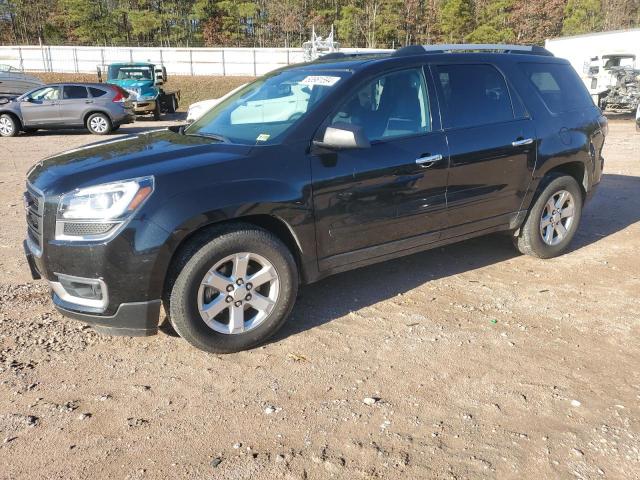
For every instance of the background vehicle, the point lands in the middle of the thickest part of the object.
(198, 109)
(309, 171)
(614, 82)
(143, 81)
(98, 107)
(14, 82)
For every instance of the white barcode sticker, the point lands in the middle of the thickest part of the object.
(322, 80)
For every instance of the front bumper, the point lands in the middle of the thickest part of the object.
(136, 319)
(144, 107)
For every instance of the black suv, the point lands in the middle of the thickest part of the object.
(311, 170)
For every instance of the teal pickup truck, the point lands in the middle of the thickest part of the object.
(144, 83)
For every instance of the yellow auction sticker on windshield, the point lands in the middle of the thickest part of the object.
(322, 80)
(263, 137)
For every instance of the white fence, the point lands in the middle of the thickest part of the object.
(178, 61)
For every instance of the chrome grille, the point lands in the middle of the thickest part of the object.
(84, 229)
(34, 204)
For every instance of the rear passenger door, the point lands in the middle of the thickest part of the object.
(75, 102)
(492, 146)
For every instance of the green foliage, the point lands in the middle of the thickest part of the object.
(261, 23)
(456, 20)
(582, 16)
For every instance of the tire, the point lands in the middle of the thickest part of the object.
(223, 248)
(9, 125)
(156, 111)
(99, 124)
(173, 104)
(564, 196)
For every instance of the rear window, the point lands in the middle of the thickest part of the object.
(559, 86)
(472, 95)
(71, 92)
(97, 92)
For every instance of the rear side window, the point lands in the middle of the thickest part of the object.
(72, 92)
(559, 86)
(472, 95)
(97, 92)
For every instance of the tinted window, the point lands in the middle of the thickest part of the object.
(97, 92)
(389, 106)
(472, 95)
(72, 92)
(559, 86)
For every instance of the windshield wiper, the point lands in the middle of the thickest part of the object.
(213, 136)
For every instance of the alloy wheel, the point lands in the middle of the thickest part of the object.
(6, 126)
(238, 293)
(99, 124)
(557, 217)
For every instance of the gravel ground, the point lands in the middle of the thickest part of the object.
(468, 361)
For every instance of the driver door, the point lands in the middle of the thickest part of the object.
(41, 107)
(389, 197)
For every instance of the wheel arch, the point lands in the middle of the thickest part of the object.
(15, 116)
(86, 116)
(575, 169)
(275, 225)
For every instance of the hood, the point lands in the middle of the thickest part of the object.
(139, 88)
(152, 153)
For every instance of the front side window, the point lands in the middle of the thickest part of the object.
(74, 92)
(472, 95)
(392, 105)
(47, 93)
(264, 110)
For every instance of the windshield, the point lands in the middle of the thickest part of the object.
(265, 109)
(130, 72)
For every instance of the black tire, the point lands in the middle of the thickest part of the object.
(530, 240)
(156, 111)
(99, 124)
(10, 125)
(172, 105)
(203, 252)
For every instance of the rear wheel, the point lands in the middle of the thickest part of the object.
(99, 124)
(553, 220)
(173, 104)
(234, 291)
(156, 111)
(9, 125)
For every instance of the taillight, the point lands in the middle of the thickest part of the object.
(120, 96)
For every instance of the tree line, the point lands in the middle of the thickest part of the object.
(278, 23)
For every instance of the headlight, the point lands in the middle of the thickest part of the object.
(94, 213)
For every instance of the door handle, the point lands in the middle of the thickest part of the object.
(519, 143)
(88, 101)
(429, 160)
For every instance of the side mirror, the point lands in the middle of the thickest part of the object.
(341, 136)
(160, 76)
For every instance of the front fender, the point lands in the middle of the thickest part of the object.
(188, 212)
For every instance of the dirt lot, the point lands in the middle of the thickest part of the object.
(486, 364)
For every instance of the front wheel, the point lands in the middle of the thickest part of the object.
(9, 126)
(233, 291)
(553, 220)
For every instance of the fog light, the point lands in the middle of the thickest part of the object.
(87, 292)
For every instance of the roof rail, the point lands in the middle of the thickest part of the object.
(337, 55)
(472, 47)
